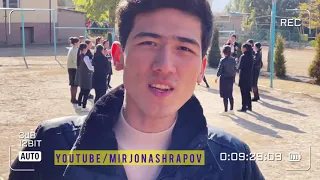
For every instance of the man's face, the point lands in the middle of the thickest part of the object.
(162, 62)
(233, 39)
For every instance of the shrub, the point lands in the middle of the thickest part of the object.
(214, 53)
(314, 68)
(313, 43)
(279, 59)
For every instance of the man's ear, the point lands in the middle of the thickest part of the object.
(117, 55)
(203, 69)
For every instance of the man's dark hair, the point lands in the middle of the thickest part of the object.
(82, 46)
(250, 41)
(227, 50)
(234, 36)
(87, 41)
(199, 8)
(258, 45)
(99, 50)
(74, 40)
(247, 47)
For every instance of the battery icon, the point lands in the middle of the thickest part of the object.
(294, 157)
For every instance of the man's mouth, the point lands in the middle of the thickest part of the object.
(161, 87)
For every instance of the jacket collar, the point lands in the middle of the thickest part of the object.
(97, 132)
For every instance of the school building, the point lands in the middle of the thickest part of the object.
(38, 24)
(231, 21)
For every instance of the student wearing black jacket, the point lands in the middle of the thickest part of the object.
(106, 47)
(101, 70)
(245, 77)
(250, 42)
(227, 73)
(257, 65)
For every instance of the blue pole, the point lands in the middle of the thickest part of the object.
(272, 40)
(85, 34)
(23, 39)
(55, 36)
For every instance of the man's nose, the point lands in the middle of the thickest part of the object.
(164, 61)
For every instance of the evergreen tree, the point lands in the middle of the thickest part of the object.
(314, 69)
(110, 39)
(279, 59)
(214, 53)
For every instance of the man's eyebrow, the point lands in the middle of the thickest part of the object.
(187, 40)
(157, 36)
(147, 34)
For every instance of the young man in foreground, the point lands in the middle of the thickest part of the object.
(155, 109)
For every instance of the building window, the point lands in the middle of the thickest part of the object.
(12, 3)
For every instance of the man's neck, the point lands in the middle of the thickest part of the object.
(141, 122)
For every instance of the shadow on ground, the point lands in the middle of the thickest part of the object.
(82, 113)
(275, 123)
(282, 109)
(254, 127)
(264, 96)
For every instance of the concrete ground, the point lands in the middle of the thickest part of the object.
(280, 123)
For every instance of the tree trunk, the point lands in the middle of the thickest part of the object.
(269, 56)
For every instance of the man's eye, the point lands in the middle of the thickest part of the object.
(148, 43)
(185, 49)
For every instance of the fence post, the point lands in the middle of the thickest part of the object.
(23, 40)
(54, 34)
(85, 33)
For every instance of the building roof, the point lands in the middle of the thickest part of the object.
(232, 14)
(70, 9)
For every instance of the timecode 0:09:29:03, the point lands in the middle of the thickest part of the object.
(250, 156)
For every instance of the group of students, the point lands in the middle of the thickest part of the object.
(88, 71)
(248, 64)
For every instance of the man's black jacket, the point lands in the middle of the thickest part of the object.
(190, 132)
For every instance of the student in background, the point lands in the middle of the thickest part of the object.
(106, 46)
(250, 42)
(245, 77)
(101, 70)
(72, 67)
(90, 55)
(227, 73)
(232, 42)
(99, 40)
(81, 38)
(205, 81)
(257, 65)
(85, 80)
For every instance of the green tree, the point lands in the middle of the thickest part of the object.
(98, 10)
(314, 7)
(279, 59)
(214, 53)
(314, 68)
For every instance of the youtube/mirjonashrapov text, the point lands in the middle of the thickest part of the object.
(129, 157)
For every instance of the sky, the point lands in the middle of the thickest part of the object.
(218, 5)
